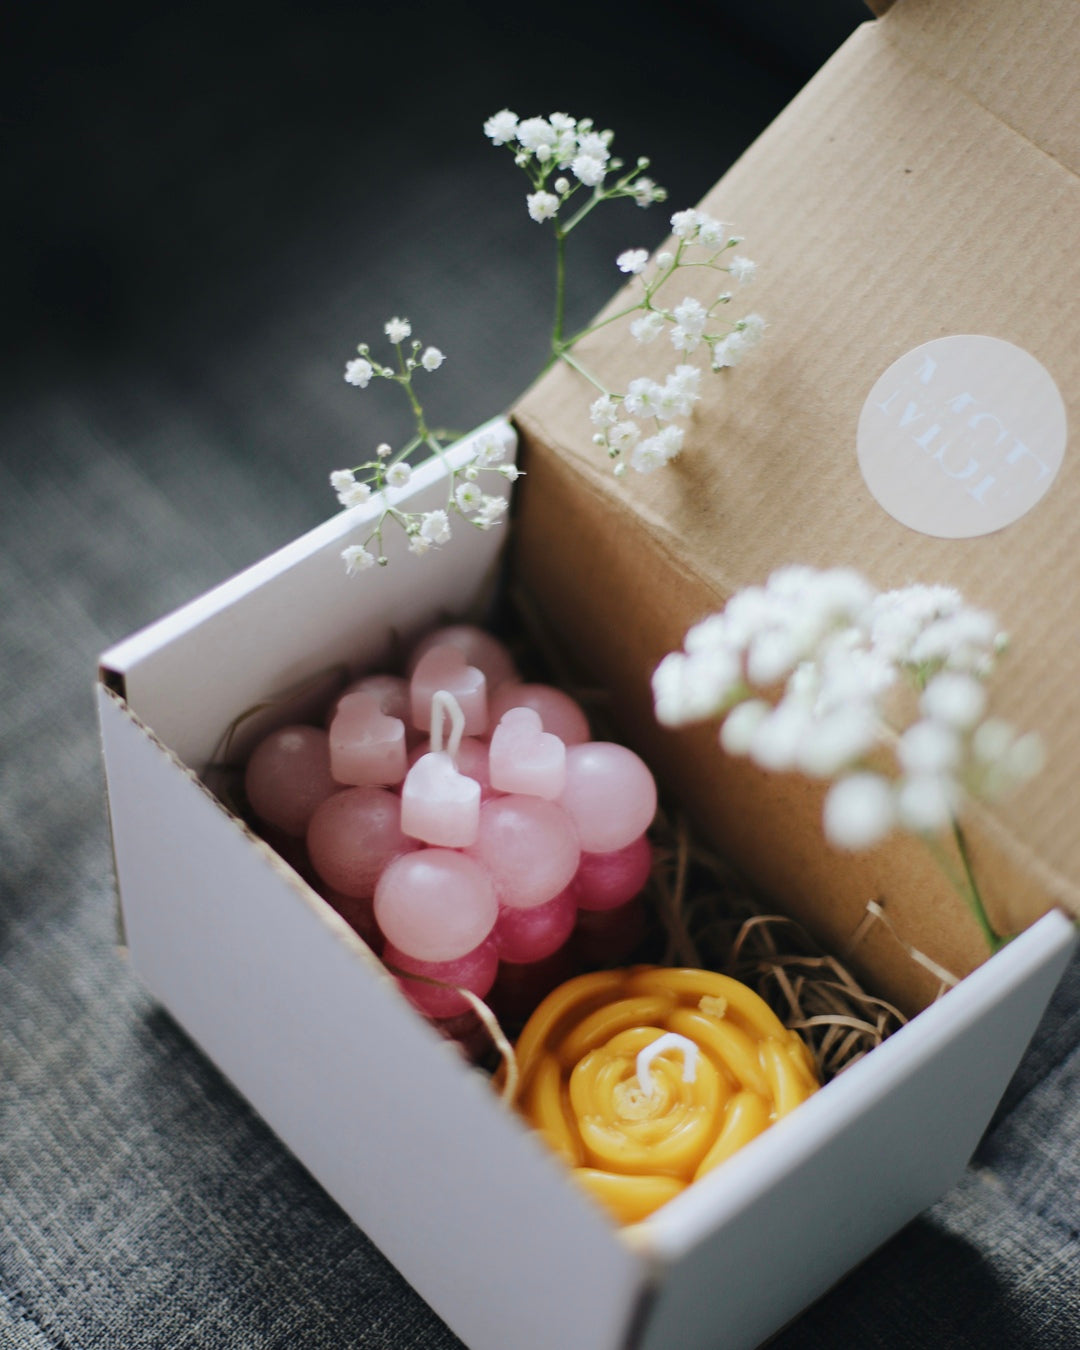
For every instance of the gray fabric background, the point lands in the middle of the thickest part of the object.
(208, 211)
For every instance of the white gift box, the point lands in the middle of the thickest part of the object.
(415, 1145)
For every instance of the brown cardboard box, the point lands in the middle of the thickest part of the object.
(923, 184)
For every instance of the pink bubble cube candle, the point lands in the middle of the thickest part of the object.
(465, 825)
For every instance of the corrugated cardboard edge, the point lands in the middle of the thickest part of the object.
(107, 690)
(111, 683)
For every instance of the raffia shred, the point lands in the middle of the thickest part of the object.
(508, 1074)
(710, 918)
(875, 913)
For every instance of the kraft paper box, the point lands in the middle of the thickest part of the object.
(923, 186)
(293, 1007)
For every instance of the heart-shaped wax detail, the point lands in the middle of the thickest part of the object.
(445, 668)
(439, 805)
(525, 758)
(366, 746)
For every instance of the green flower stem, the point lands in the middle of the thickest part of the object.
(574, 364)
(563, 347)
(644, 304)
(561, 231)
(973, 895)
(432, 442)
(560, 291)
(582, 211)
(964, 883)
(405, 380)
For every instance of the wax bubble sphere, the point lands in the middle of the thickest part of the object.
(358, 912)
(525, 935)
(610, 795)
(530, 848)
(391, 692)
(607, 880)
(436, 904)
(479, 649)
(288, 776)
(352, 837)
(475, 971)
(444, 669)
(560, 714)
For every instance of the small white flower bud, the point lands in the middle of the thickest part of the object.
(739, 726)
(859, 811)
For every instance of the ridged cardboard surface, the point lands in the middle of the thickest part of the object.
(888, 205)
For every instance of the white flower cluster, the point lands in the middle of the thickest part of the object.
(387, 470)
(817, 672)
(360, 371)
(692, 327)
(576, 152)
(647, 398)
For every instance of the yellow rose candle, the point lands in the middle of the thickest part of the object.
(646, 1079)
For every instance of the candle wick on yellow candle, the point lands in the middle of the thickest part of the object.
(669, 1041)
(445, 705)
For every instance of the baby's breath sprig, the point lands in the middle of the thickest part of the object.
(691, 326)
(390, 469)
(883, 692)
(571, 171)
(569, 165)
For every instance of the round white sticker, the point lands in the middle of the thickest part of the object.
(962, 436)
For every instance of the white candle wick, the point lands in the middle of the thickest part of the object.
(444, 704)
(671, 1040)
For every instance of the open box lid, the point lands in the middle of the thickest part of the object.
(270, 641)
(922, 185)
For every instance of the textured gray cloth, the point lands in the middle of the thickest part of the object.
(193, 270)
